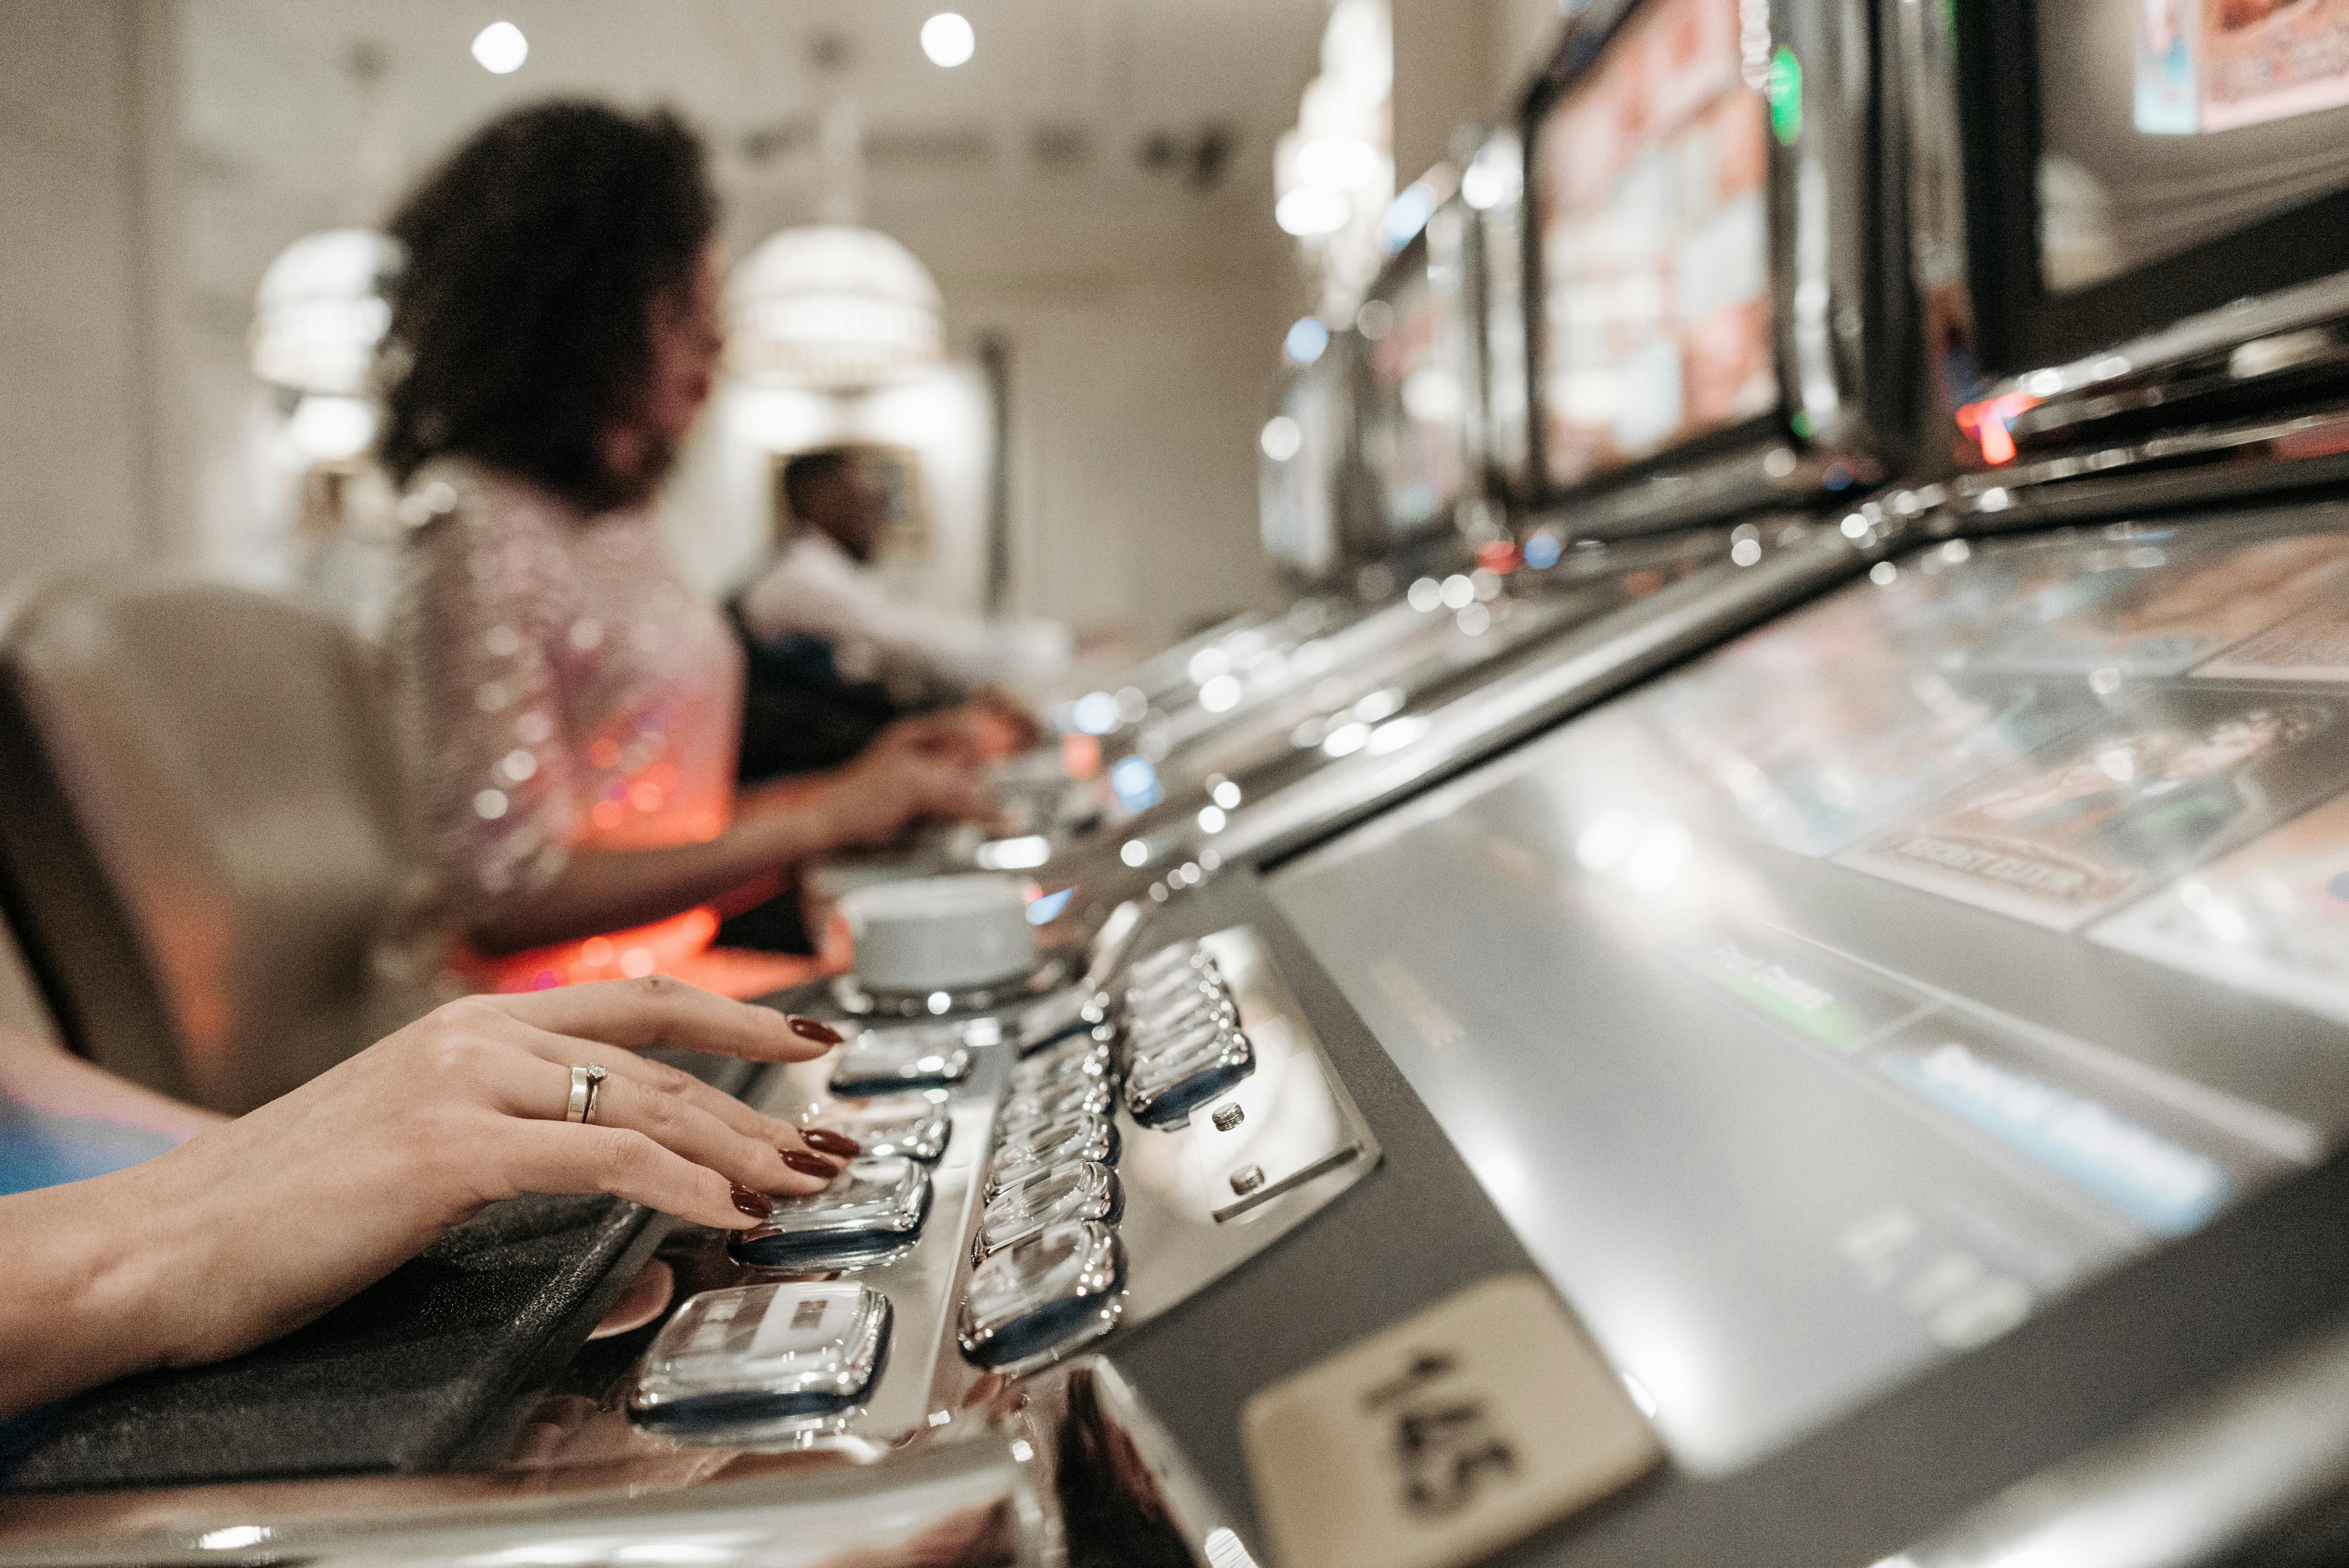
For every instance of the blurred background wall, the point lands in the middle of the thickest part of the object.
(95, 404)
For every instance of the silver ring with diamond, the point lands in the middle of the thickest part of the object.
(586, 1083)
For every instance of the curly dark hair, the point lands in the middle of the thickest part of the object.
(534, 256)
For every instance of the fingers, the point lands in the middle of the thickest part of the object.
(955, 793)
(562, 1157)
(658, 1077)
(694, 1133)
(660, 1136)
(527, 1088)
(953, 734)
(633, 1013)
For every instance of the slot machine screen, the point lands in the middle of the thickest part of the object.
(2185, 153)
(1415, 396)
(1819, 1011)
(1651, 201)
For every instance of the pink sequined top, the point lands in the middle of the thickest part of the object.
(556, 687)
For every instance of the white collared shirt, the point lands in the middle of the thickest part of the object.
(816, 588)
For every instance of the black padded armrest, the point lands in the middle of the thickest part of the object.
(423, 1370)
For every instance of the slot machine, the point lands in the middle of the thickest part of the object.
(1841, 1061)
(1648, 356)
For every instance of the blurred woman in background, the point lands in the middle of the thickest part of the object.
(570, 711)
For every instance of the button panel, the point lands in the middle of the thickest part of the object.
(1033, 1179)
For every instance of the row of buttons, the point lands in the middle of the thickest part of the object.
(1183, 1036)
(795, 1357)
(1049, 1263)
(1051, 1266)
(1048, 1267)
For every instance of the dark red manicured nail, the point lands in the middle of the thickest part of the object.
(825, 1141)
(751, 1203)
(811, 1029)
(807, 1164)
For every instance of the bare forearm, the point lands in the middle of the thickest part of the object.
(79, 1308)
(42, 1074)
(611, 890)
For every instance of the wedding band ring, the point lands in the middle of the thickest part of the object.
(586, 1079)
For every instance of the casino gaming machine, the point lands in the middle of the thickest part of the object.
(1654, 442)
(1846, 1065)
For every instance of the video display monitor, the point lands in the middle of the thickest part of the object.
(1414, 394)
(2185, 153)
(1821, 1010)
(1300, 478)
(1650, 205)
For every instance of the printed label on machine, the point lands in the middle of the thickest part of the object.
(1444, 1437)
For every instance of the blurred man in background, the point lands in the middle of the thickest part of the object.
(825, 632)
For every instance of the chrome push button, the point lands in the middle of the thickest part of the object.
(1166, 1087)
(762, 1359)
(1081, 1192)
(1197, 1008)
(1078, 1056)
(1174, 958)
(1077, 1095)
(872, 1212)
(1049, 1146)
(1158, 960)
(1056, 1018)
(1175, 990)
(911, 1055)
(913, 1126)
(1039, 1298)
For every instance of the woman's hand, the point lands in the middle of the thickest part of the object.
(988, 728)
(879, 795)
(962, 736)
(256, 1226)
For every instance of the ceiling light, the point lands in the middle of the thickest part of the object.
(501, 48)
(948, 39)
(833, 306)
(1310, 212)
(320, 312)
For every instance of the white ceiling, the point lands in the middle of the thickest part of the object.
(278, 144)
